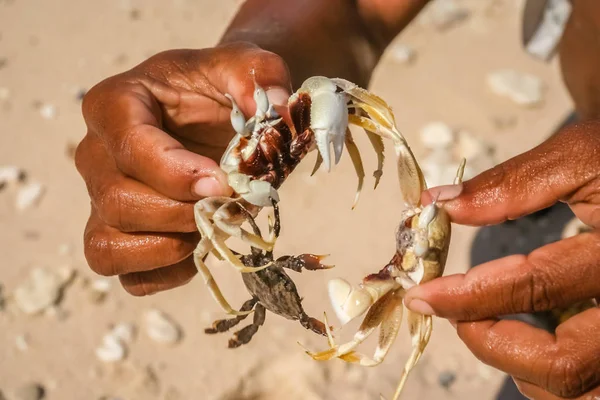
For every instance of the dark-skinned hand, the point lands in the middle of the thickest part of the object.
(154, 138)
(545, 366)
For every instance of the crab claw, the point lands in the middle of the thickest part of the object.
(237, 118)
(347, 302)
(328, 116)
(324, 139)
(261, 100)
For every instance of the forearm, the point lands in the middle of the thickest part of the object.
(343, 38)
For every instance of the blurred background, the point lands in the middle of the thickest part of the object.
(459, 82)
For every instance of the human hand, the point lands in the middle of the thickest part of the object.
(545, 366)
(154, 137)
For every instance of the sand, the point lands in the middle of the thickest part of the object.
(54, 50)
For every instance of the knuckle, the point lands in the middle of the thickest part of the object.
(98, 250)
(539, 295)
(111, 206)
(568, 377)
(82, 155)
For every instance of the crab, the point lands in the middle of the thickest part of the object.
(422, 242)
(266, 149)
(272, 290)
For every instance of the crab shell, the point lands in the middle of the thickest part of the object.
(432, 264)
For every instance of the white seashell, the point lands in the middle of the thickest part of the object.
(41, 290)
(522, 89)
(161, 328)
(111, 350)
(29, 195)
(402, 54)
(10, 174)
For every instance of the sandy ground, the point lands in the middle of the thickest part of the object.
(53, 50)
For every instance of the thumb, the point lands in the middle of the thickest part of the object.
(553, 171)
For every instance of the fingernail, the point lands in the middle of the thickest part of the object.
(421, 307)
(446, 192)
(278, 96)
(208, 186)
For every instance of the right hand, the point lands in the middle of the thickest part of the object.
(154, 137)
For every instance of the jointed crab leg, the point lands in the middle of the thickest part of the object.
(201, 250)
(385, 314)
(357, 162)
(420, 327)
(217, 237)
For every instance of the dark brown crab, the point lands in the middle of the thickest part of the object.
(272, 289)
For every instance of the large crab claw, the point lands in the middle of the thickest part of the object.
(349, 303)
(328, 116)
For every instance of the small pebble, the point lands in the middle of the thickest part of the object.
(48, 111)
(112, 349)
(161, 328)
(99, 289)
(522, 89)
(402, 54)
(30, 391)
(446, 379)
(22, 343)
(10, 175)
(437, 135)
(29, 195)
(124, 332)
(444, 14)
(42, 289)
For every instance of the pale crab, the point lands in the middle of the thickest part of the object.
(266, 149)
(422, 242)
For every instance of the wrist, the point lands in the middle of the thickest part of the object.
(331, 38)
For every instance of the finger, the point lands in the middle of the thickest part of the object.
(555, 275)
(111, 252)
(125, 204)
(201, 100)
(534, 392)
(529, 182)
(126, 119)
(160, 279)
(565, 365)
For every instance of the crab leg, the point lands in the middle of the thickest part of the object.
(388, 331)
(244, 335)
(201, 250)
(223, 325)
(371, 321)
(309, 262)
(377, 143)
(208, 232)
(357, 162)
(420, 327)
(230, 216)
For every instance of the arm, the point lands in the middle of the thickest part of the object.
(343, 38)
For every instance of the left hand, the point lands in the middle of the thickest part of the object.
(545, 366)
